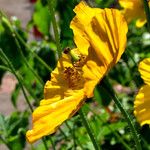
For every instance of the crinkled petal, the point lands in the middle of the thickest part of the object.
(84, 15)
(102, 39)
(60, 102)
(144, 69)
(48, 116)
(142, 105)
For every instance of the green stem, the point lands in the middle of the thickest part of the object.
(45, 144)
(55, 28)
(72, 134)
(105, 84)
(109, 127)
(35, 55)
(147, 11)
(53, 145)
(20, 83)
(63, 133)
(68, 126)
(89, 130)
(5, 68)
(26, 62)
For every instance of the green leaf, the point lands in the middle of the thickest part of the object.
(41, 18)
(3, 129)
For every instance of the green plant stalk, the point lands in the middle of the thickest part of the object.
(35, 55)
(55, 28)
(62, 132)
(26, 62)
(8, 24)
(147, 11)
(105, 84)
(72, 134)
(5, 68)
(52, 142)
(115, 133)
(68, 126)
(45, 144)
(89, 131)
(21, 85)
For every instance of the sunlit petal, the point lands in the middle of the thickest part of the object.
(142, 105)
(98, 31)
(47, 117)
(134, 9)
(144, 68)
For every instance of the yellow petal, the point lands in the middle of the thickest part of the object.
(79, 22)
(144, 69)
(140, 22)
(60, 102)
(134, 9)
(47, 117)
(142, 105)
(103, 40)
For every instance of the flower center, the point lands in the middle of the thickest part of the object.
(73, 75)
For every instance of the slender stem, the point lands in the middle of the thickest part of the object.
(72, 134)
(5, 68)
(20, 83)
(26, 62)
(74, 137)
(35, 55)
(68, 126)
(147, 11)
(89, 131)
(63, 133)
(52, 13)
(52, 142)
(45, 144)
(105, 84)
(109, 127)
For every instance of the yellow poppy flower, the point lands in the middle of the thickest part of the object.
(142, 100)
(134, 9)
(100, 44)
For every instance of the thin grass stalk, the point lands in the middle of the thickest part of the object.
(107, 87)
(55, 28)
(72, 134)
(68, 126)
(24, 43)
(45, 144)
(52, 142)
(21, 85)
(5, 68)
(89, 130)
(26, 62)
(35, 55)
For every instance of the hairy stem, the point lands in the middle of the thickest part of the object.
(105, 84)
(89, 130)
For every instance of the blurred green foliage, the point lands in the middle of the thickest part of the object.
(106, 121)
